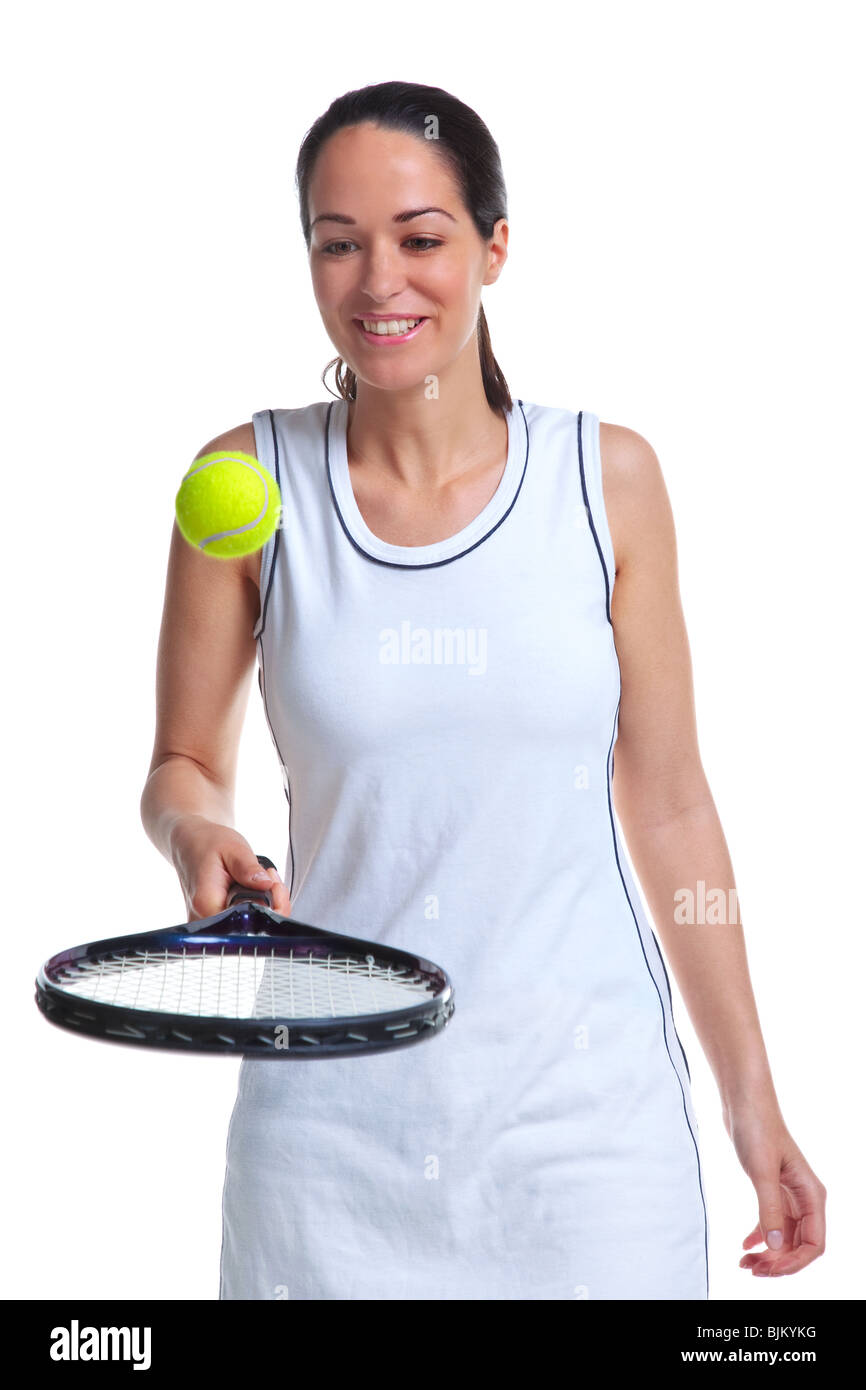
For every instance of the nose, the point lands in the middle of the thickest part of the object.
(382, 277)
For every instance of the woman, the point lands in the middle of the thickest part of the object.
(469, 600)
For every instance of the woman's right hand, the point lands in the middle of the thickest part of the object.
(209, 857)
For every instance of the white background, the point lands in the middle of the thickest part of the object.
(686, 234)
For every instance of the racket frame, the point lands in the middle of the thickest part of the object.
(251, 920)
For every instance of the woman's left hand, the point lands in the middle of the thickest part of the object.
(791, 1198)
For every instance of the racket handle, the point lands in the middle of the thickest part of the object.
(239, 892)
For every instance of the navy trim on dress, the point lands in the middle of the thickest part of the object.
(263, 603)
(429, 564)
(589, 514)
(275, 547)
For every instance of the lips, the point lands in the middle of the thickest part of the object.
(382, 338)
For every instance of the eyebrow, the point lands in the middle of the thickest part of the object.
(398, 216)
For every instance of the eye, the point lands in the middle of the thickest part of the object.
(332, 248)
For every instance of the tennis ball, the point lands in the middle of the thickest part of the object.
(228, 504)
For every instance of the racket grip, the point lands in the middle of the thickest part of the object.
(239, 892)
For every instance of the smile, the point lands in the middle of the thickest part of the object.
(382, 331)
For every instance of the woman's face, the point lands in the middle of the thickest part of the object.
(369, 265)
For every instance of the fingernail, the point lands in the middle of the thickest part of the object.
(774, 1240)
(259, 876)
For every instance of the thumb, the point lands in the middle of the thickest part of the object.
(254, 873)
(771, 1212)
(246, 869)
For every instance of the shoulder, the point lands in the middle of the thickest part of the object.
(629, 461)
(243, 438)
(635, 496)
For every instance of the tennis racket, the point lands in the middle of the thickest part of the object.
(247, 981)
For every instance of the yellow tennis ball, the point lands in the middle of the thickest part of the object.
(228, 504)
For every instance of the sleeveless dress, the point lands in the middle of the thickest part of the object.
(444, 717)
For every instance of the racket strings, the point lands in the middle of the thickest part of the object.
(243, 982)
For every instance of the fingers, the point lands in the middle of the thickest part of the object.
(797, 1260)
(209, 896)
(767, 1261)
(808, 1241)
(280, 900)
(803, 1228)
(266, 880)
(753, 1238)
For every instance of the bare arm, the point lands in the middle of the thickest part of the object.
(675, 838)
(204, 666)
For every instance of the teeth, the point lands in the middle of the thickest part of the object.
(386, 326)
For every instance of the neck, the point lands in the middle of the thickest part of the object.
(423, 442)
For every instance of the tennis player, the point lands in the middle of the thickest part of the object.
(471, 603)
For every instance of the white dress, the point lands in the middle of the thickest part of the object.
(445, 717)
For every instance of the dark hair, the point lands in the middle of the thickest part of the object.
(471, 154)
